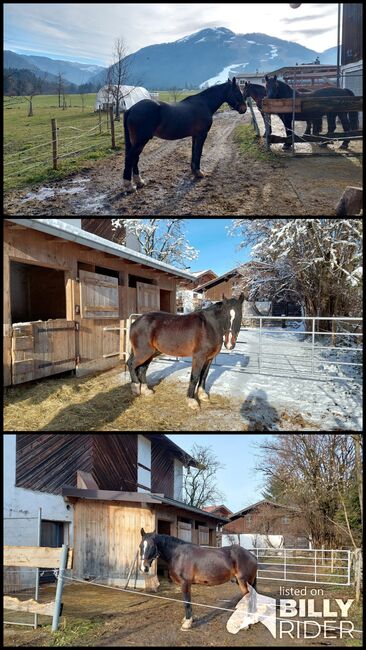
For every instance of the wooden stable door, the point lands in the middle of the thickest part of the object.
(148, 298)
(42, 348)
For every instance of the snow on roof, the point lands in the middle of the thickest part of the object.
(73, 233)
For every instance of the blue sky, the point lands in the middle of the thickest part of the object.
(85, 32)
(218, 251)
(241, 483)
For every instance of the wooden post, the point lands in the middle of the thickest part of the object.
(293, 117)
(100, 120)
(254, 121)
(54, 143)
(60, 584)
(112, 127)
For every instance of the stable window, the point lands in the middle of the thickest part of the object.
(36, 293)
(134, 279)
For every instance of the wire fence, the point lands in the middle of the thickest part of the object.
(49, 154)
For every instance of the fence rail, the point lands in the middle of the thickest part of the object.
(311, 361)
(322, 566)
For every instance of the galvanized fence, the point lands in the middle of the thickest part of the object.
(314, 355)
(313, 566)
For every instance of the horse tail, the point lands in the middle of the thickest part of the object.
(352, 115)
(353, 120)
(127, 133)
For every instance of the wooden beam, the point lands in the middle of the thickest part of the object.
(313, 104)
(315, 138)
(35, 556)
(46, 609)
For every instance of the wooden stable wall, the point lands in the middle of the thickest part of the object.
(106, 538)
(107, 534)
(97, 305)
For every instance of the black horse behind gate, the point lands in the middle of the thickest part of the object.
(259, 93)
(190, 564)
(190, 117)
(277, 89)
(198, 335)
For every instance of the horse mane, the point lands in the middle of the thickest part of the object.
(204, 93)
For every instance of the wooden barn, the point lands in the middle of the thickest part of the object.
(112, 485)
(68, 294)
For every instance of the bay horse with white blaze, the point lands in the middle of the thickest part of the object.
(190, 564)
(191, 117)
(199, 335)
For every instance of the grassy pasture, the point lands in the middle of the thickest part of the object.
(27, 140)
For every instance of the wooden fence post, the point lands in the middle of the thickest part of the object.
(100, 120)
(112, 127)
(54, 143)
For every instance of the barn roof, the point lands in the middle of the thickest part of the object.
(242, 512)
(217, 280)
(136, 497)
(72, 233)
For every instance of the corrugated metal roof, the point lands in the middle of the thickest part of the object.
(66, 231)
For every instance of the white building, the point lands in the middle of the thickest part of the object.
(128, 96)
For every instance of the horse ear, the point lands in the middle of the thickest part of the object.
(275, 77)
(234, 81)
(142, 532)
(266, 77)
(241, 298)
(223, 298)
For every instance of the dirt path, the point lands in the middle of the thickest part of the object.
(97, 617)
(235, 184)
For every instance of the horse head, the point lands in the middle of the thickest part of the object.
(148, 550)
(272, 86)
(246, 91)
(233, 312)
(234, 97)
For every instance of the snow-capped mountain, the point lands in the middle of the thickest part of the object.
(210, 54)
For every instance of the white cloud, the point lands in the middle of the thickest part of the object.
(86, 31)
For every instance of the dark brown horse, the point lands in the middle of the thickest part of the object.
(199, 335)
(190, 117)
(190, 564)
(277, 89)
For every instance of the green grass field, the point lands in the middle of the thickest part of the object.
(28, 140)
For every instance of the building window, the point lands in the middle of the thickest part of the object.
(285, 520)
(248, 519)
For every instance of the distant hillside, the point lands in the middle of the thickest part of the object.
(77, 73)
(210, 54)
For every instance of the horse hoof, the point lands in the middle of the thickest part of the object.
(192, 403)
(187, 624)
(146, 391)
(135, 389)
(202, 395)
(128, 186)
(138, 180)
(198, 173)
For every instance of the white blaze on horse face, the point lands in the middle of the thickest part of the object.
(230, 342)
(143, 555)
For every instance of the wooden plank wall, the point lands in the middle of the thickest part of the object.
(162, 470)
(115, 461)
(49, 461)
(25, 245)
(107, 536)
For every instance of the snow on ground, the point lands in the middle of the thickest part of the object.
(285, 383)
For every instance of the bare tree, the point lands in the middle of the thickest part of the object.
(118, 73)
(31, 88)
(175, 93)
(200, 483)
(316, 473)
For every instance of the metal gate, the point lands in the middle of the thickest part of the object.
(313, 566)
